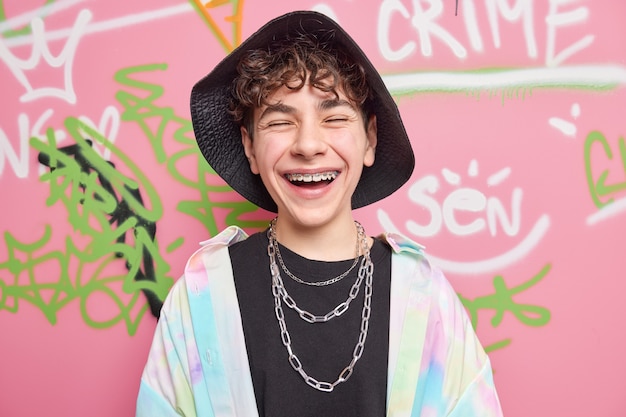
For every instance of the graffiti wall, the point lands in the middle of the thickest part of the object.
(517, 113)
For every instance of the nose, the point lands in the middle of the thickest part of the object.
(309, 141)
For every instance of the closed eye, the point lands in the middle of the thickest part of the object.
(278, 123)
(337, 119)
(338, 111)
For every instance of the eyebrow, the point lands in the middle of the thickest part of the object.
(277, 108)
(335, 102)
(327, 104)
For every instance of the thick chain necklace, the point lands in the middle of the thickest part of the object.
(365, 272)
(272, 236)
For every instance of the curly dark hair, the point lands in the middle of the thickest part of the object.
(292, 62)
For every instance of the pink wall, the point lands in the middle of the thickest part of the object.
(516, 110)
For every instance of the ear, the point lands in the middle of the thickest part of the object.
(372, 140)
(248, 148)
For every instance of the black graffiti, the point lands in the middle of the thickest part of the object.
(120, 215)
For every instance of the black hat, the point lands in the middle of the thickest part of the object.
(219, 137)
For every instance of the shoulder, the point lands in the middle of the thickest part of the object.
(402, 244)
(414, 268)
(211, 259)
(409, 257)
(224, 239)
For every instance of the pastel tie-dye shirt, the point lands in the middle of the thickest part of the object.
(198, 364)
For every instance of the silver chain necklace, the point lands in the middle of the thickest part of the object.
(366, 271)
(272, 236)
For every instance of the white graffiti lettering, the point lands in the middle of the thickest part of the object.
(425, 22)
(490, 215)
(556, 19)
(462, 199)
(41, 52)
(19, 161)
(522, 9)
(108, 126)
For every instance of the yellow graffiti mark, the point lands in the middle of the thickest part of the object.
(234, 19)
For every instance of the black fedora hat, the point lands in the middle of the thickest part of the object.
(219, 137)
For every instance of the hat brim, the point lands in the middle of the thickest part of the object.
(219, 137)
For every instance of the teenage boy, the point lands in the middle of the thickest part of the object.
(311, 317)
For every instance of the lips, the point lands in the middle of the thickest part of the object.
(311, 178)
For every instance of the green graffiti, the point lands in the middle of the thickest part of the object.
(212, 194)
(111, 255)
(113, 230)
(54, 292)
(22, 264)
(501, 302)
(598, 188)
(140, 110)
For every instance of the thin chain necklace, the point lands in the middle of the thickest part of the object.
(272, 236)
(366, 271)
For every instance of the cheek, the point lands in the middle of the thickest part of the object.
(266, 157)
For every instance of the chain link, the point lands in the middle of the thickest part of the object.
(365, 272)
(272, 236)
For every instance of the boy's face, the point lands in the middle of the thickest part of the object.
(309, 148)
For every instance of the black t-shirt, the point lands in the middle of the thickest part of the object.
(324, 349)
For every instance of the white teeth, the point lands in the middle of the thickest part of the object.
(317, 177)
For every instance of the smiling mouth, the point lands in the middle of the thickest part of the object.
(316, 178)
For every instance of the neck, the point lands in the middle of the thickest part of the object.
(331, 242)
